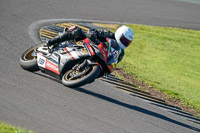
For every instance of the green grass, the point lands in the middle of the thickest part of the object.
(168, 59)
(5, 128)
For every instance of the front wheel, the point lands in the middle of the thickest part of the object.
(72, 79)
(28, 60)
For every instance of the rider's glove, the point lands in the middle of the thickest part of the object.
(92, 34)
(48, 43)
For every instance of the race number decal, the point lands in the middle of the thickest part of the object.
(41, 61)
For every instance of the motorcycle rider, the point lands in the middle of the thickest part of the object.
(119, 41)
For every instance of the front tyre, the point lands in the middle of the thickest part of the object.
(28, 60)
(69, 81)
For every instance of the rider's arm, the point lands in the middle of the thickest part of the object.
(103, 34)
(59, 39)
(100, 35)
(121, 55)
(73, 33)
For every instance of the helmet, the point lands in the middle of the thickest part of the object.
(124, 36)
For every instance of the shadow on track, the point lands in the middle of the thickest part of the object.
(136, 108)
(47, 76)
(179, 112)
(132, 107)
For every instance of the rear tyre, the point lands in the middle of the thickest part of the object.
(28, 60)
(69, 81)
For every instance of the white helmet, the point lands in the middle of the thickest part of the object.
(124, 36)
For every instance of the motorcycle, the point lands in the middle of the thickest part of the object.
(75, 63)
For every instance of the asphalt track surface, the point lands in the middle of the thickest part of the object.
(42, 104)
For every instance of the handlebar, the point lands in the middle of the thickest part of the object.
(51, 49)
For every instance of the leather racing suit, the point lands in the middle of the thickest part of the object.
(97, 36)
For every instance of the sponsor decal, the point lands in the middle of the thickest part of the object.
(84, 51)
(53, 61)
(86, 40)
(90, 48)
(79, 43)
(69, 53)
(72, 53)
(52, 67)
(61, 51)
(54, 57)
(104, 51)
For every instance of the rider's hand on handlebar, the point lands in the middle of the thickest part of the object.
(48, 44)
(92, 34)
(45, 45)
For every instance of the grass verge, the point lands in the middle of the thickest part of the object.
(5, 128)
(167, 59)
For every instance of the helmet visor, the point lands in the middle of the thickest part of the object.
(125, 41)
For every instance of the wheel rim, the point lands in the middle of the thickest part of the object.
(30, 55)
(68, 75)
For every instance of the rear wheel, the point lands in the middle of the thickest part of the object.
(74, 78)
(28, 60)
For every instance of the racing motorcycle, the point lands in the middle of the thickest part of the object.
(75, 63)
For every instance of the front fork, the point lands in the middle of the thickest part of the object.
(87, 63)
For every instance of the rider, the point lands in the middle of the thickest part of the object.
(119, 41)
